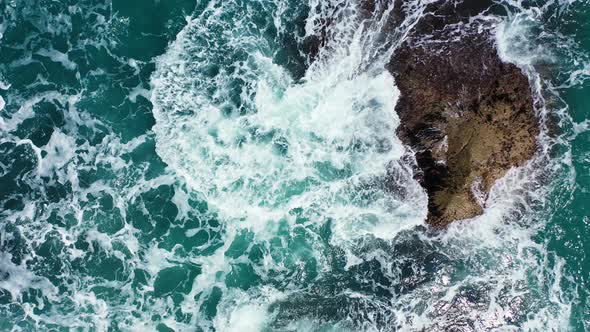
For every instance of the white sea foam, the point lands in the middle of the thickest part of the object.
(315, 146)
(321, 144)
(57, 56)
(232, 160)
(338, 123)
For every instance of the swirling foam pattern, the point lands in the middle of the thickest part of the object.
(185, 165)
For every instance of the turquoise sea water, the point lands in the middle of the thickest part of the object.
(182, 165)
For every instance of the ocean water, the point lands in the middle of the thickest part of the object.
(183, 165)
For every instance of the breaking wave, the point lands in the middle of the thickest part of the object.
(247, 180)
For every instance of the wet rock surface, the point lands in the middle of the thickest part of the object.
(468, 116)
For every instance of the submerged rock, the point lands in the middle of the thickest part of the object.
(468, 116)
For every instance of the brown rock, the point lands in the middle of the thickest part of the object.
(468, 116)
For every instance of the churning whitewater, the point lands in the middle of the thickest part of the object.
(233, 166)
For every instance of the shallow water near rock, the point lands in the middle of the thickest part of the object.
(184, 165)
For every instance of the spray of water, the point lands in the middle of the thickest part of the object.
(286, 202)
(318, 146)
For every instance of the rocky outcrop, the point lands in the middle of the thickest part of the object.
(467, 115)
